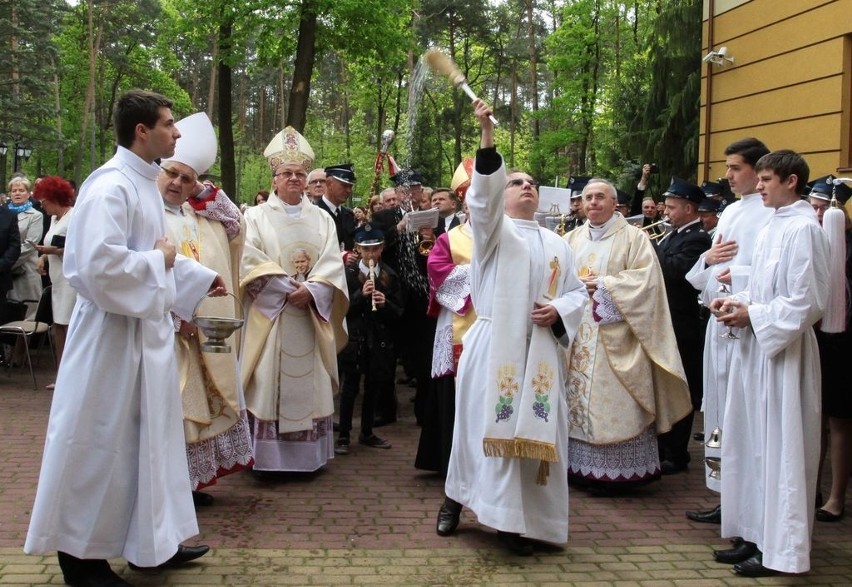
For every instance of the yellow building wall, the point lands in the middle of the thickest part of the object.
(789, 84)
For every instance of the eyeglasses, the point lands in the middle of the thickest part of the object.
(172, 175)
(520, 181)
(316, 181)
(289, 174)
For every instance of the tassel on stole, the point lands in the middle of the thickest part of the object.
(525, 449)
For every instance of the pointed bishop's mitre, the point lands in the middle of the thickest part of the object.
(197, 145)
(461, 178)
(289, 146)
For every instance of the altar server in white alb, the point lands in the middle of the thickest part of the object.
(294, 285)
(114, 479)
(732, 248)
(770, 445)
(206, 226)
(510, 439)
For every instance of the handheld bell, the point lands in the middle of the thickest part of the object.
(715, 465)
(715, 440)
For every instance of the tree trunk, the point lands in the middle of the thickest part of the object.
(226, 130)
(261, 113)
(211, 89)
(94, 47)
(303, 67)
(60, 152)
(282, 105)
(533, 68)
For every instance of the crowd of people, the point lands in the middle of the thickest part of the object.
(539, 359)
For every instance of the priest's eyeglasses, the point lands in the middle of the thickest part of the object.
(172, 175)
(520, 181)
(317, 182)
(289, 174)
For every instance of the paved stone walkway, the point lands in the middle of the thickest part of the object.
(368, 519)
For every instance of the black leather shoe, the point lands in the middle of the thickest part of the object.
(183, 555)
(670, 467)
(201, 499)
(101, 578)
(79, 572)
(515, 543)
(740, 552)
(448, 517)
(753, 567)
(699, 436)
(713, 516)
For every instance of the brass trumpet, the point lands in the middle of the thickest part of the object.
(655, 235)
(424, 246)
(425, 242)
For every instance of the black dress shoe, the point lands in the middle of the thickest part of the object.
(740, 552)
(515, 543)
(183, 555)
(713, 516)
(671, 467)
(826, 516)
(448, 517)
(699, 436)
(79, 572)
(201, 499)
(753, 567)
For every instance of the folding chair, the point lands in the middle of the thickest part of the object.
(27, 329)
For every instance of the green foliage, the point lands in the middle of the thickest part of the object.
(28, 64)
(616, 81)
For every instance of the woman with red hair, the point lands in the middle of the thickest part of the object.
(57, 199)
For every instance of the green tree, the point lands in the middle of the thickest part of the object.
(27, 68)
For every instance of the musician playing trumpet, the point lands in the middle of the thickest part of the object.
(375, 304)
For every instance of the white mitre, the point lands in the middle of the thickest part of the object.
(289, 146)
(197, 145)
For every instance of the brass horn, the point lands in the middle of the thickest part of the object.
(715, 440)
(424, 245)
(655, 236)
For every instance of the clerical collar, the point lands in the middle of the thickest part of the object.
(173, 208)
(292, 210)
(528, 224)
(597, 232)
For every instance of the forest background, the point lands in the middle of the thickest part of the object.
(580, 87)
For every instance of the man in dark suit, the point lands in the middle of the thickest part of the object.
(339, 180)
(678, 251)
(10, 249)
(416, 330)
(446, 203)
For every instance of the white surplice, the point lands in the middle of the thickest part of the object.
(502, 491)
(770, 445)
(741, 221)
(114, 478)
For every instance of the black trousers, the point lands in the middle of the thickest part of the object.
(351, 386)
